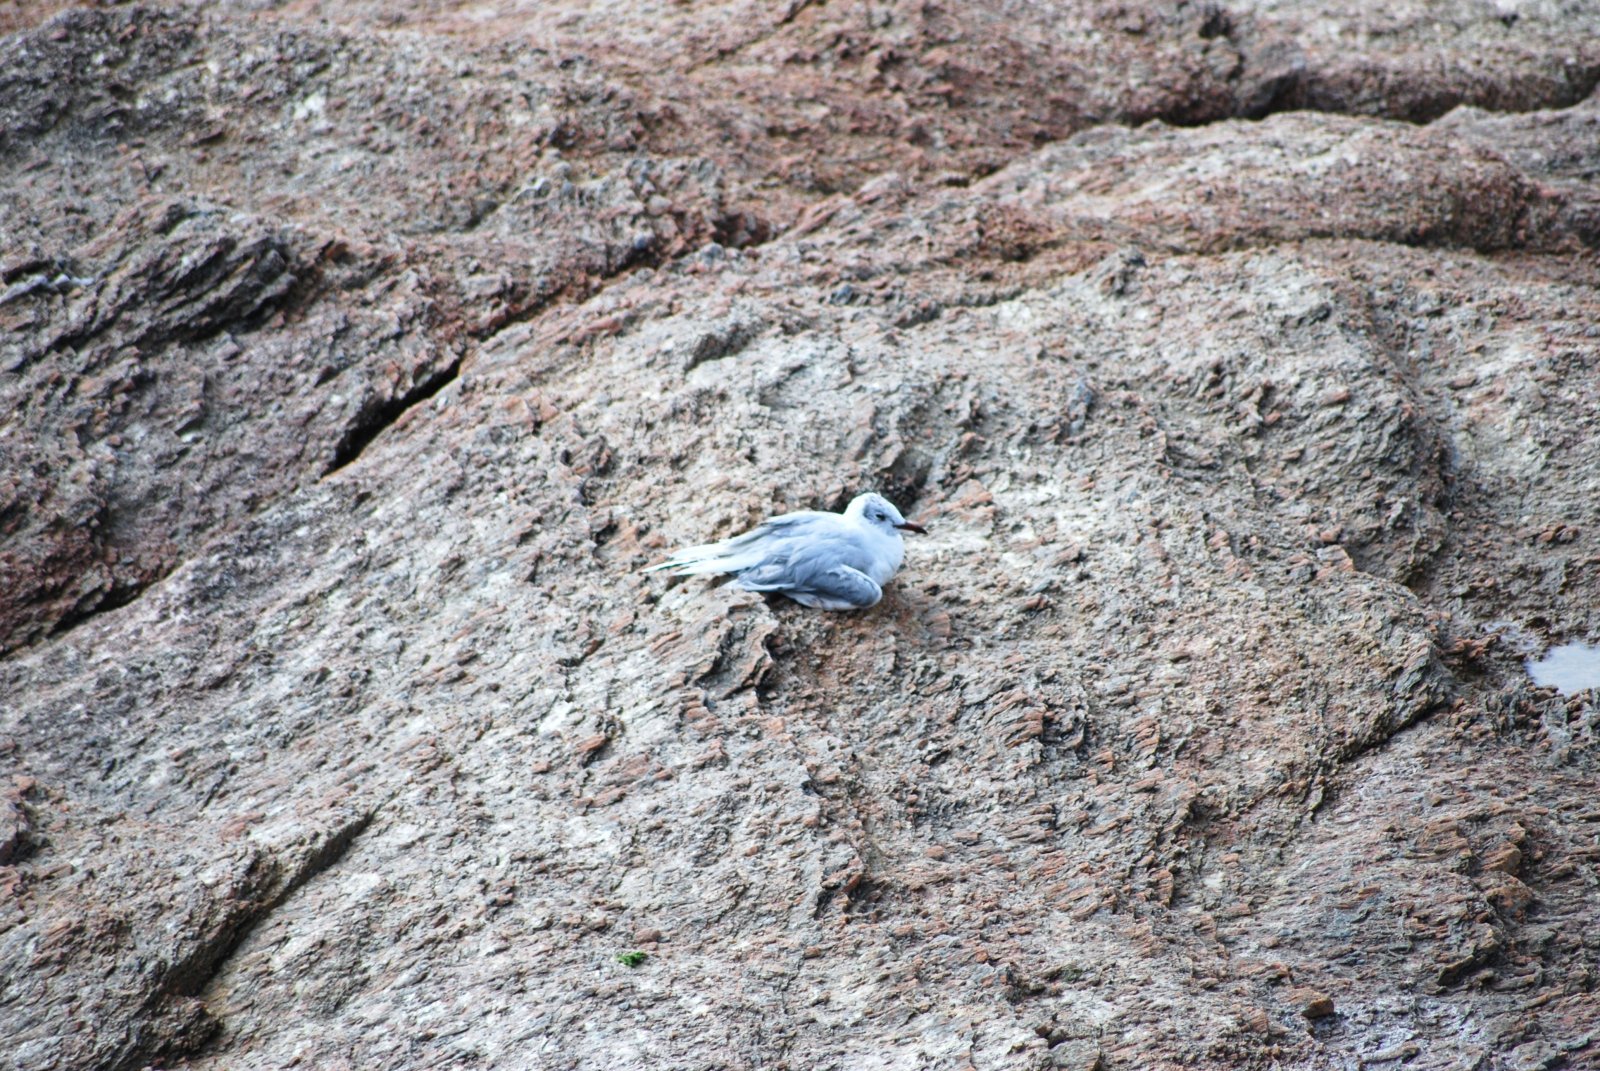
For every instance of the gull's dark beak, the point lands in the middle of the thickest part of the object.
(908, 526)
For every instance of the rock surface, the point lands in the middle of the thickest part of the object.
(1242, 360)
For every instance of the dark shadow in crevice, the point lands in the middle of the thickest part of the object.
(119, 596)
(369, 425)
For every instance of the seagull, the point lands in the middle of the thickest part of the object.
(828, 561)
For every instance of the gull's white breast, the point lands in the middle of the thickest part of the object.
(885, 550)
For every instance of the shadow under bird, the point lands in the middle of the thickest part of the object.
(829, 561)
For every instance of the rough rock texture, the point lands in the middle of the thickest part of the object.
(1242, 360)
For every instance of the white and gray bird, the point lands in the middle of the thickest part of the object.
(830, 561)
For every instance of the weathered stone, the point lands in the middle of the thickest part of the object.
(1314, 1005)
(1240, 361)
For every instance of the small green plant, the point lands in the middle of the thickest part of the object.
(632, 959)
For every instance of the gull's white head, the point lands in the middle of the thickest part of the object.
(878, 512)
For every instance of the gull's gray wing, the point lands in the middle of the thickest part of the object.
(785, 524)
(767, 541)
(814, 575)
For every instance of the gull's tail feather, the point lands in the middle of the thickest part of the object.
(723, 557)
